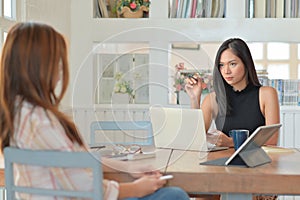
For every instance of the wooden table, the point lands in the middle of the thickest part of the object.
(159, 162)
(282, 176)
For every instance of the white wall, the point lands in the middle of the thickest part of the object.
(56, 13)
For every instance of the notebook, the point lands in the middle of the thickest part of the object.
(250, 153)
(178, 128)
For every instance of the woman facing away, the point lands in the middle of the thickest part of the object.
(239, 101)
(33, 60)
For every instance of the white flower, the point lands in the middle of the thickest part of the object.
(123, 89)
(117, 88)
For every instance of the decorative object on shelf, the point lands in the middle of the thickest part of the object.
(133, 8)
(122, 87)
(178, 77)
(120, 98)
(181, 73)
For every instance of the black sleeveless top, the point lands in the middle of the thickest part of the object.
(245, 114)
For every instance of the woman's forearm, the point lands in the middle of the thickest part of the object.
(127, 190)
(195, 102)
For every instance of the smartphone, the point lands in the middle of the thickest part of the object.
(166, 177)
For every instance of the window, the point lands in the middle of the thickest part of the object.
(4, 36)
(9, 9)
(121, 73)
(277, 59)
(256, 50)
(8, 17)
(278, 51)
(278, 71)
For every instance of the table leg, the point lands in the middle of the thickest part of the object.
(2, 193)
(234, 196)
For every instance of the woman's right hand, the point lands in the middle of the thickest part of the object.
(193, 87)
(148, 184)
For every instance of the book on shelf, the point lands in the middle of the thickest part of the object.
(270, 8)
(200, 9)
(288, 91)
(100, 9)
(218, 8)
(259, 8)
(196, 8)
(249, 9)
(180, 8)
(173, 5)
(291, 8)
(279, 8)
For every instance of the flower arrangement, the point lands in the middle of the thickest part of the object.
(178, 77)
(181, 73)
(134, 5)
(123, 86)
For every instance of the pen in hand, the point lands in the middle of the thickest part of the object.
(192, 77)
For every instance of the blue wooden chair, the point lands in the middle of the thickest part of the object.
(51, 159)
(121, 132)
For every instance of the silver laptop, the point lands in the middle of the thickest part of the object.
(178, 128)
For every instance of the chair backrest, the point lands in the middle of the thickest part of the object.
(51, 159)
(121, 132)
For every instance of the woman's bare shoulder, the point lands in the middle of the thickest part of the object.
(267, 94)
(267, 90)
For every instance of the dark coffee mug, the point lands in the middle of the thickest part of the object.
(239, 136)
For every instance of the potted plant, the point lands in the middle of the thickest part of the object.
(132, 8)
(123, 92)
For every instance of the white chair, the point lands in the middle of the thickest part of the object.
(121, 132)
(51, 159)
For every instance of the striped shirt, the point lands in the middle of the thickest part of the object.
(38, 129)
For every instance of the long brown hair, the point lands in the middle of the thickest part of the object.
(221, 87)
(33, 57)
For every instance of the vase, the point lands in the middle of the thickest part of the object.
(126, 12)
(120, 98)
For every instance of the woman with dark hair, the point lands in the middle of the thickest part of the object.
(33, 61)
(239, 101)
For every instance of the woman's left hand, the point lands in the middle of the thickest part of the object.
(223, 140)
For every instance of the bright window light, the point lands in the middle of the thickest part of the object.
(7, 8)
(278, 51)
(298, 51)
(258, 66)
(278, 71)
(256, 50)
(4, 36)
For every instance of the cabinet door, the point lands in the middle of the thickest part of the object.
(132, 68)
(141, 78)
(105, 72)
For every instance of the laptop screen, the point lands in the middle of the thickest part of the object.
(178, 128)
